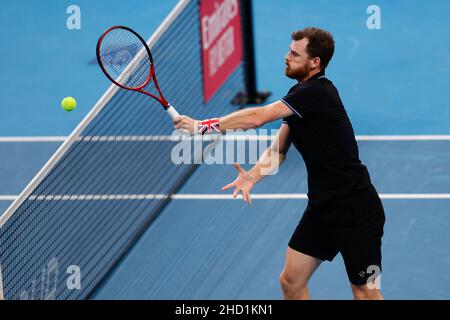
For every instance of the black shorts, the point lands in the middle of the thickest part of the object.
(352, 225)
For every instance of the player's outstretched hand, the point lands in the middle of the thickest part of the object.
(243, 183)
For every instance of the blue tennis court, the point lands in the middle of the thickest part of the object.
(202, 244)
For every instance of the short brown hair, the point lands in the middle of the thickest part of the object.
(321, 43)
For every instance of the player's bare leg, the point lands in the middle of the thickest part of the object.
(297, 270)
(363, 292)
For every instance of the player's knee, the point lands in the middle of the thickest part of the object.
(365, 293)
(290, 282)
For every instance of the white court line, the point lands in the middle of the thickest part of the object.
(405, 138)
(230, 196)
(416, 196)
(33, 139)
(187, 196)
(276, 196)
(8, 197)
(225, 137)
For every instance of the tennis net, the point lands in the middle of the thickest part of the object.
(110, 179)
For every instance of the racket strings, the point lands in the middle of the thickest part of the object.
(118, 51)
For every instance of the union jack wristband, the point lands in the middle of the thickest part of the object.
(208, 125)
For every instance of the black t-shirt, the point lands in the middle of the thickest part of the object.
(321, 131)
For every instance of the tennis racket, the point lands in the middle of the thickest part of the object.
(126, 60)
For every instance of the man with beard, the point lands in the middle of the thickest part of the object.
(344, 213)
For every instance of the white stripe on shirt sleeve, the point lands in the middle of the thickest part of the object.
(295, 111)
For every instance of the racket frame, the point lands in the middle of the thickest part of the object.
(167, 106)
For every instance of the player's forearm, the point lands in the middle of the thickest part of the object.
(243, 119)
(269, 161)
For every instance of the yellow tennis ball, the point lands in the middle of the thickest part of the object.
(68, 103)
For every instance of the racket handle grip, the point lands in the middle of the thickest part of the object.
(171, 111)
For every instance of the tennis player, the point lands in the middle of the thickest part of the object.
(344, 212)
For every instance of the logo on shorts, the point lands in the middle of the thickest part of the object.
(362, 274)
(374, 280)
